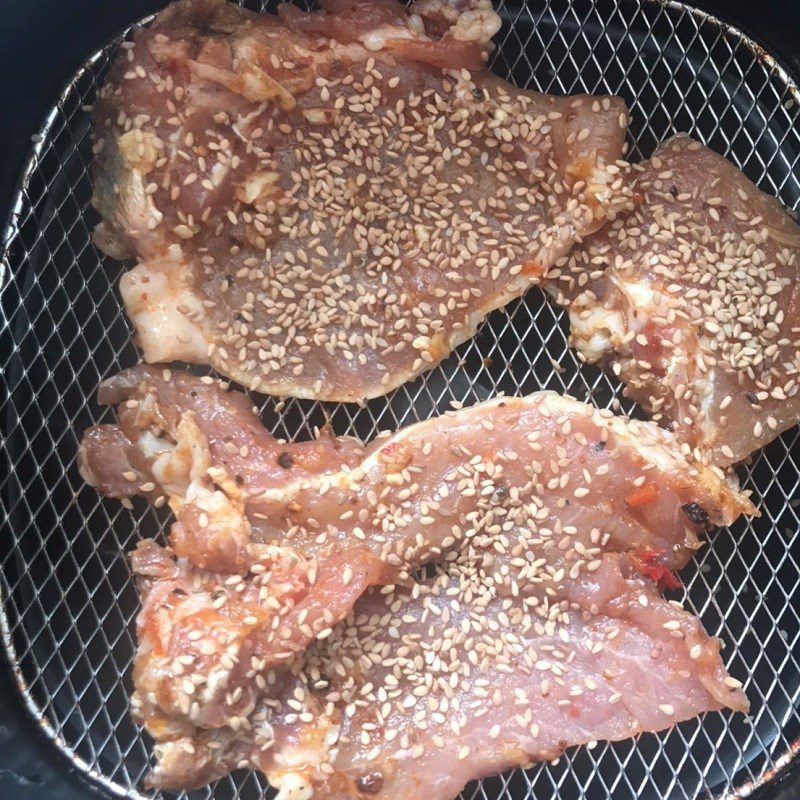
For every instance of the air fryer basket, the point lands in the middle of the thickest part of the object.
(68, 602)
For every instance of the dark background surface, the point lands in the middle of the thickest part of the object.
(42, 42)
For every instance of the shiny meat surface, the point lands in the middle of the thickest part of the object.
(537, 634)
(200, 632)
(694, 300)
(203, 449)
(391, 496)
(138, 455)
(469, 673)
(550, 525)
(413, 498)
(324, 205)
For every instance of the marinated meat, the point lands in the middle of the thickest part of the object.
(500, 660)
(694, 300)
(324, 205)
(392, 494)
(550, 524)
(124, 460)
(206, 630)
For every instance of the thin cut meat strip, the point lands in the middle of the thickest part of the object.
(324, 205)
(694, 299)
(544, 481)
(185, 439)
(123, 460)
(465, 675)
(205, 449)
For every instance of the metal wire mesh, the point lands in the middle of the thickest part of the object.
(69, 604)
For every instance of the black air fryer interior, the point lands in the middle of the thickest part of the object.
(69, 603)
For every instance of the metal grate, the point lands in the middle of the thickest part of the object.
(69, 605)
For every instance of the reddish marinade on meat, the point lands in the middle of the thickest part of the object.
(694, 301)
(548, 524)
(324, 205)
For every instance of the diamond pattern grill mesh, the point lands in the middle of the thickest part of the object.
(69, 605)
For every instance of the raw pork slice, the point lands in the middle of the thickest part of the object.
(292, 625)
(324, 205)
(694, 300)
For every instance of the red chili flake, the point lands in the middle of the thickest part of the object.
(647, 562)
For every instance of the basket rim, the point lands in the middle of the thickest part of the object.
(787, 766)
